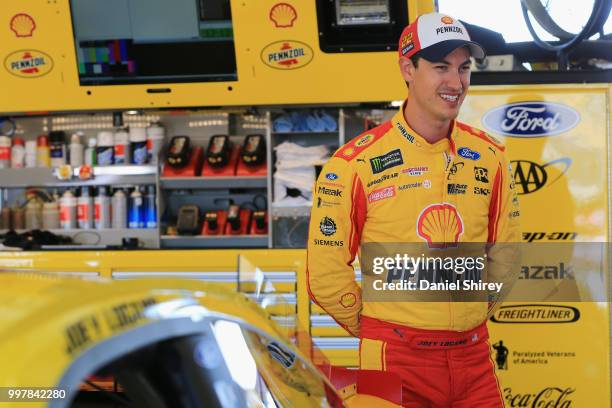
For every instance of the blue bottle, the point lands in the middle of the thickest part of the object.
(150, 217)
(136, 212)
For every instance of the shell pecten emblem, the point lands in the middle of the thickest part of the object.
(283, 15)
(440, 225)
(447, 20)
(22, 25)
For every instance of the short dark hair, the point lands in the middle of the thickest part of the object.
(415, 60)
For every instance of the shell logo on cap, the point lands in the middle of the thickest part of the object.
(440, 225)
(22, 25)
(283, 15)
(447, 20)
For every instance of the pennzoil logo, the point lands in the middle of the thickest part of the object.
(365, 140)
(440, 225)
(28, 63)
(287, 54)
(536, 314)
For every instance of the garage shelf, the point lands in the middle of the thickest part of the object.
(173, 183)
(214, 241)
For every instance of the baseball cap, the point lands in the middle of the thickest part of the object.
(434, 36)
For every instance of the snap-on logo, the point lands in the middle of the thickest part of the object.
(531, 119)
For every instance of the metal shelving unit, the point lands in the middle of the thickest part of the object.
(102, 175)
(176, 183)
(214, 241)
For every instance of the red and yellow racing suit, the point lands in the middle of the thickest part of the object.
(389, 185)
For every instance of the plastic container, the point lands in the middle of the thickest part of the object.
(5, 152)
(155, 141)
(57, 148)
(18, 218)
(119, 209)
(43, 158)
(85, 209)
(30, 153)
(5, 217)
(138, 145)
(18, 153)
(105, 152)
(50, 215)
(33, 215)
(68, 210)
(102, 209)
(136, 210)
(90, 152)
(76, 150)
(150, 217)
(122, 147)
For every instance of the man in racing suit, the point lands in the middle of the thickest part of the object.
(420, 177)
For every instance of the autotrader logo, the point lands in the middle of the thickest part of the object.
(531, 119)
(531, 176)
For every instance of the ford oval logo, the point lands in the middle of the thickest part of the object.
(468, 153)
(531, 119)
(331, 176)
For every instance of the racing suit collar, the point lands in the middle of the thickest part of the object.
(419, 142)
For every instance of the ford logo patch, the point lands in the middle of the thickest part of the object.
(467, 153)
(531, 119)
(331, 176)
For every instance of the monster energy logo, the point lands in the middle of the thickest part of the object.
(386, 161)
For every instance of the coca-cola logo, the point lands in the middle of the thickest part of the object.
(548, 397)
(531, 119)
(381, 194)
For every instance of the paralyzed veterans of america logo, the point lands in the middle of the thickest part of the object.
(440, 225)
(386, 161)
(28, 63)
(531, 119)
(287, 54)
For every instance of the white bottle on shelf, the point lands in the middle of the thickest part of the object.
(50, 215)
(18, 153)
(102, 211)
(30, 153)
(119, 209)
(68, 210)
(76, 150)
(85, 209)
(90, 152)
(122, 147)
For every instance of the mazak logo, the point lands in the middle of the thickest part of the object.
(438, 223)
(381, 194)
(334, 192)
(28, 63)
(287, 54)
(404, 132)
(468, 153)
(536, 314)
(386, 161)
(547, 272)
(553, 397)
(531, 176)
(531, 119)
(331, 176)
